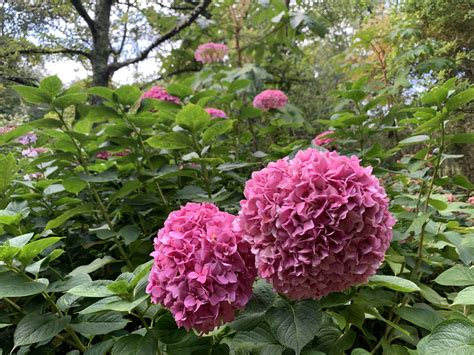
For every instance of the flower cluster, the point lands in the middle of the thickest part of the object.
(322, 139)
(33, 152)
(159, 93)
(33, 176)
(105, 155)
(211, 53)
(27, 139)
(203, 270)
(7, 128)
(317, 224)
(270, 99)
(216, 113)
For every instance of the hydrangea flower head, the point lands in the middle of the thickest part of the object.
(270, 99)
(470, 200)
(27, 139)
(33, 152)
(322, 140)
(33, 176)
(211, 52)
(7, 128)
(203, 270)
(216, 113)
(317, 224)
(104, 155)
(159, 93)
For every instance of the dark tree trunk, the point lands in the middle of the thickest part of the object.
(101, 75)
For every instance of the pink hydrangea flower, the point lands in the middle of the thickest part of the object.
(7, 128)
(317, 224)
(322, 140)
(211, 52)
(471, 200)
(27, 139)
(270, 99)
(159, 93)
(104, 155)
(216, 113)
(33, 152)
(203, 270)
(451, 198)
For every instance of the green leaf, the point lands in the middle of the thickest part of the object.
(74, 185)
(15, 285)
(114, 303)
(432, 296)
(102, 113)
(7, 253)
(438, 204)
(9, 170)
(36, 328)
(424, 317)
(217, 129)
(461, 138)
(129, 233)
(170, 141)
(457, 275)
(435, 96)
(127, 188)
(97, 288)
(102, 91)
(134, 344)
(127, 95)
(465, 297)
(239, 85)
(31, 250)
(101, 348)
(93, 266)
(355, 95)
(460, 99)
(64, 285)
(394, 283)
(69, 99)
(453, 336)
(99, 323)
(52, 85)
(253, 340)
(33, 95)
(179, 90)
(59, 221)
(9, 217)
(415, 140)
(106, 176)
(193, 118)
(295, 325)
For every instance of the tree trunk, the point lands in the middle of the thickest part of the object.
(101, 75)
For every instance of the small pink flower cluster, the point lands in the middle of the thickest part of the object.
(216, 113)
(317, 224)
(203, 270)
(7, 128)
(159, 93)
(105, 155)
(33, 176)
(451, 198)
(33, 152)
(27, 139)
(211, 53)
(270, 99)
(470, 200)
(321, 139)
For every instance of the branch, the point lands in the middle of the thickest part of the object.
(50, 51)
(20, 80)
(83, 13)
(144, 54)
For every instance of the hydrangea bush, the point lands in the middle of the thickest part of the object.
(154, 223)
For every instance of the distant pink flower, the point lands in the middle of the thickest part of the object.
(211, 52)
(203, 270)
(104, 155)
(321, 141)
(159, 93)
(33, 176)
(471, 200)
(33, 152)
(123, 153)
(270, 99)
(27, 139)
(216, 113)
(7, 128)
(317, 224)
(451, 198)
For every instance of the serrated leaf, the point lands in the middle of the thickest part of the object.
(31, 250)
(15, 285)
(453, 336)
(33, 95)
(460, 99)
(52, 85)
(465, 297)
(394, 283)
(99, 323)
(59, 221)
(128, 94)
(193, 118)
(93, 266)
(217, 129)
(170, 141)
(134, 344)
(97, 288)
(457, 275)
(35, 328)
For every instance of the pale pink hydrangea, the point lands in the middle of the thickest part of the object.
(470, 200)
(7, 128)
(317, 224)
(451, 198)
(159, 93)
(216, 113)
(27, 139)
(211, 52)
(33, 152)
(270, 99)
(322, 140)
(203, 270)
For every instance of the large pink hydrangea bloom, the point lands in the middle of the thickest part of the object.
(270, 99)
(216, 113)
(317, 224)
(211, 52)
(159, 93)
(322, 140)
(203, 270)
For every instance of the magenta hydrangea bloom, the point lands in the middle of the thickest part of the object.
(104, 155)
(33, 152)
(159, 93)
(322, 140)
(317, 224)
(216, 113)
(27, 139)
(211, 52)
(270, 99)
(203, 270)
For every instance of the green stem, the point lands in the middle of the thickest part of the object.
(204, 171)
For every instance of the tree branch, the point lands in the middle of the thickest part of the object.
(51, 51)
(83, 13)
(20, 80)
(144, 54)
